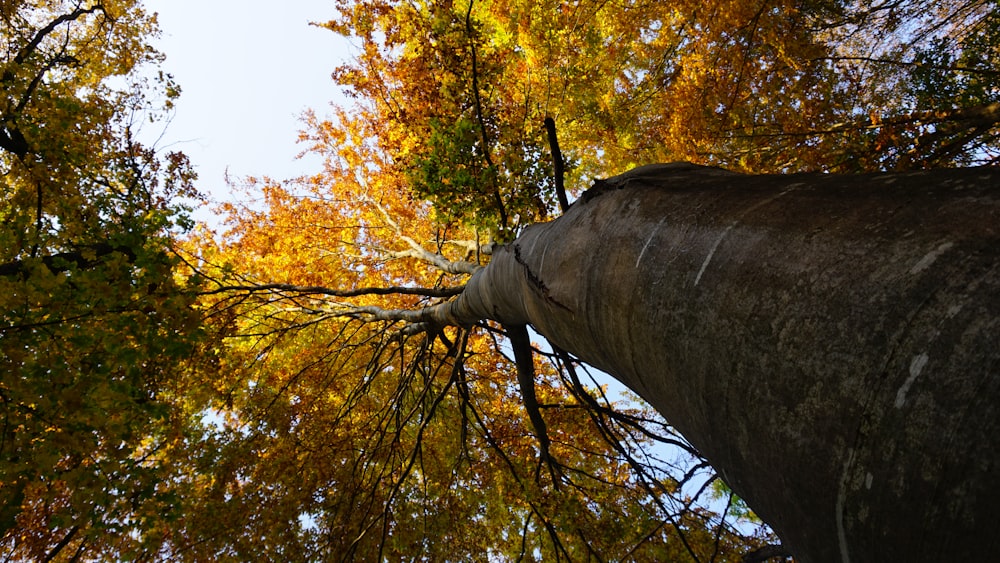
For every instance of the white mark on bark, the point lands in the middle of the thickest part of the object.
(711, 252)
(648, 241)
(725, 231)
(845, 556)
(930, 257)
(868, 481)
(916, 366)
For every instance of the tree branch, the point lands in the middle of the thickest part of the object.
(11, 139)
(770, 551)
(558, 164)
(520, 344)
(981, 114)
(320, 290)
(501, 208)
(913, 64)
(62, 544)
(65, 261)
(32, 45)
(416, 250)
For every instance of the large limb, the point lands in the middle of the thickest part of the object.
(558, 164)
(520, 344)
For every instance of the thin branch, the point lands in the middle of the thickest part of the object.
(913, 64)
(65, 261)
(416, 250)
(11, 137)
(62, 544)
(412, 457)
(754, 25)
(654, 487)
(980, 114)
(770, 551)
(76, 14)
(320, 290)
(501, 208)
(495, 445)
(718, 530)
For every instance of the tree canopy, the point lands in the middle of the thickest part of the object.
(96, 328)
(274, 390)
(755, 87)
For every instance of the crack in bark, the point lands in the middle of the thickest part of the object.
(536, 281)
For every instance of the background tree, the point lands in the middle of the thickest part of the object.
(95, 331)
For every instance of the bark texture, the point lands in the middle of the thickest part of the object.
(830, 343)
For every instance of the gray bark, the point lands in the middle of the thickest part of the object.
(831, 344)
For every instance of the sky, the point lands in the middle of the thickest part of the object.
(247, 69)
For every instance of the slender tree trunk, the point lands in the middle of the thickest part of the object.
(830, 343)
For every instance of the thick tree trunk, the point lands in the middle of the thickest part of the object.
(830, 343)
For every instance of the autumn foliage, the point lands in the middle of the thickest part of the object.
(261, 391)
(96, 329)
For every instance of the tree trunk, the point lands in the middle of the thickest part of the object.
(831, 344)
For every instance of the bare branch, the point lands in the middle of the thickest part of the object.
(969, 117)
(559, 165)
(76, 14)
(85, 257)
(501, 208)
(417, 251)
(520, 343)
(770, 551)
(910, 64)
(320, 290)
(471, 246)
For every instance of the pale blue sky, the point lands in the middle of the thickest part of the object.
(247, 70)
